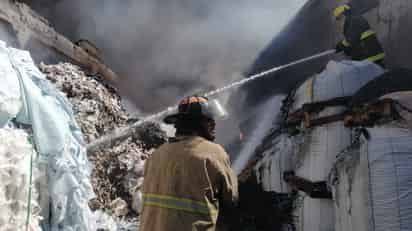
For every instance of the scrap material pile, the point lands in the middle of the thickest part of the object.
(118, 171)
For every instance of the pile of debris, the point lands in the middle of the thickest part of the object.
(118, 171)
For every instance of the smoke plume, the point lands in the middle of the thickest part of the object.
(164, 50)
(267, 117)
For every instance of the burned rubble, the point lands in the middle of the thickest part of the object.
(117, 171)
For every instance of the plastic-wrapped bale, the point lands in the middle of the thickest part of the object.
(59, 144)
(277, 159)
(389, 157)
(348, 181)
(17, 176)
(372, 183)
(316, 154)
(372, 186)
(10, 102)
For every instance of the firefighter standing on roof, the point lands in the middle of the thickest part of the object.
(188, 182)
(360, 43)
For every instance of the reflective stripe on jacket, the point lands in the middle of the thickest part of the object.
(178, 203)
(186, 184)
(361, 43)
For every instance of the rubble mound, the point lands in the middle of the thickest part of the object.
(97, 106)
(118, 171)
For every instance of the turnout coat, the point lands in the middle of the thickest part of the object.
(186, 185)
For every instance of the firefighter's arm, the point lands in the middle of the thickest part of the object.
(357, 26)
(224, 180)
(230, 198)
(339, 47)
(230, 194)
(226, 188)
(343, 46)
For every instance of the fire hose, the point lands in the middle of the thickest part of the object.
(126, 132)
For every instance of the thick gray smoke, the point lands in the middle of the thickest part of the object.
(167, 49)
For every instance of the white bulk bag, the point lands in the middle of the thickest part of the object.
(10, 102)
(373, 185)
(349, 184)
(389, 157)
(269, 170)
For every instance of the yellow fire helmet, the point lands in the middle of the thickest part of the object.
(340, 10)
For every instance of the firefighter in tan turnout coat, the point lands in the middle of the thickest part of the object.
(188, 181)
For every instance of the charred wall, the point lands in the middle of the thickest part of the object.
(25, 29)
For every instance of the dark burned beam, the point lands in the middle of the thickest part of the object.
(316, 190)
(28, 26)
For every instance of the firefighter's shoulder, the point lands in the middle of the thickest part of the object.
(214, 150)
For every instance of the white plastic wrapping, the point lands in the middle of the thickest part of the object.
(337, 80)
(269, 170)
(60, 146)
(389, 157)
(314, 162)
(365, 180)
(10, 102)
(373, 185)
(316, 153)
(349, 181)
(15, 176)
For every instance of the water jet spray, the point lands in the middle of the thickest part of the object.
(121, 134)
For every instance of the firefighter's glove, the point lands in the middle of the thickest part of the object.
(287, 175)
(339, 47)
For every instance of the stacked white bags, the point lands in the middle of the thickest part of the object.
(372, 184)
(316, 155)
(388, 154)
